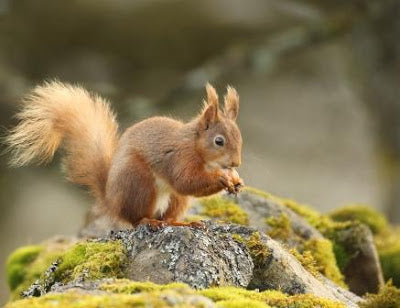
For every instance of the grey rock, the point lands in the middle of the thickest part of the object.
(212, 257)
(363, 273)
(199, 258)
(203, 258)
(283, 272)
(259, 209)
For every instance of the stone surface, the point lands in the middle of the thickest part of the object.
(363, 271)
(259, 209)
(204, 258)
(199, 258)
(283, 272)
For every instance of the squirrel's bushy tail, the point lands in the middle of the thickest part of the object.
(57, 114)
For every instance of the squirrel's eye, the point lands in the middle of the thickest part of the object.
(219, 141)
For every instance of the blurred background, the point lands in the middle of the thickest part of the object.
(318, 82)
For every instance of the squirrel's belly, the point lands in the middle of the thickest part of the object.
(162, 197)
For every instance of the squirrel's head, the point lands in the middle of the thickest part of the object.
(219, 140)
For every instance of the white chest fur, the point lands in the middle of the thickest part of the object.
(162, 197)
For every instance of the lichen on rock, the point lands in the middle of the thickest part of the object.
(194, 256)
(352, 246)
(257, 249)
(192, 267)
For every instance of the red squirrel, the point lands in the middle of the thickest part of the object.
(147, 174)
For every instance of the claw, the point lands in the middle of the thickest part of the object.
(154, 224)
(198, 225)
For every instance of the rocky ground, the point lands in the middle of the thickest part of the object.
(256, 250)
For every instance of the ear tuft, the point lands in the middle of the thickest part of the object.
(231, 99)
(211, 107)
(212, 96)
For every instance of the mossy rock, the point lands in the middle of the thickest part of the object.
(299, 227)
(258, 250)
(319, 249)
(387, 297)
(92, 260)
(361, 213)
(222, 255)
(388, 245)
(18, 263)
(27, 266)
(288, 228)
(285, 226)
(221, 209)
(125, 293)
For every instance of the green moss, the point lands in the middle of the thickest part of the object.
(259, 252)
(343, 249)
(325, 259)
(307, 260)
(317, 220)
(362, 213)
(127, 286)
(342, 256)
(330, 259)
(301, 209)
(388, 246)
(240, 303)
(91, 301)
(27, 264)
(387, 297)
(224, 209)
(125, 293)
(92, 260)
(193, 218)
(230, 295)
(281, 228)
(18, 263)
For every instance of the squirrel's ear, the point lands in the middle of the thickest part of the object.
(211, 107)
(212, 96)
(231, 108)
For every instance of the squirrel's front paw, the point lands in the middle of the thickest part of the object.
(238, 185)
(227, 183)
(237, 182)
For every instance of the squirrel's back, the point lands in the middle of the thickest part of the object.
(61, 115)
(153, 138)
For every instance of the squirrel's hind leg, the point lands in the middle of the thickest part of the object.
(177, 207)
(131, 192)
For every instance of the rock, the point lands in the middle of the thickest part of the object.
(220, 255)
(362, 268)
(280, 270)
(271, 215)
(293, 249)
(193, 256)
(347, 244)
(362, 213)
(125, 293)
(258, 208)
(104, 293)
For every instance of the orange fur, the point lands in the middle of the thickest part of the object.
(57, 114)
(146, 175)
